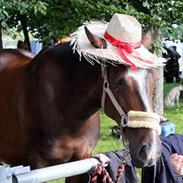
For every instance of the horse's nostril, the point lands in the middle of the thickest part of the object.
(143, 152)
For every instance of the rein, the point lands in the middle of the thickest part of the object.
(134, 119)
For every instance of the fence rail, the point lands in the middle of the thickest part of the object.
(22, 174)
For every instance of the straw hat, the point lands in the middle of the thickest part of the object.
(123, 36)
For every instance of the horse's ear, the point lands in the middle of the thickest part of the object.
(148, 38)
(96, 41)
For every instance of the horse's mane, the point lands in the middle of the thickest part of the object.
(47, 53)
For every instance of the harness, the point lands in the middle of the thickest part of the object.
(132, 119)
(107, 90)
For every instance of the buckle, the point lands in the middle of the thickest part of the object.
(124, 120)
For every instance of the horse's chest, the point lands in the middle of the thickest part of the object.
(68, 148)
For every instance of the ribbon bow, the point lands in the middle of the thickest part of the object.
(128, 47)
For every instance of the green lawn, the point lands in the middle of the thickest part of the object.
(108, 143)
(174, 114)
(168, 87)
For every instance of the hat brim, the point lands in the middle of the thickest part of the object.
(140, 57)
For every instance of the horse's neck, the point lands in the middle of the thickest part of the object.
(72, 85)
(85, 86)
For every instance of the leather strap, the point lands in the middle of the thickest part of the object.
(107, 90)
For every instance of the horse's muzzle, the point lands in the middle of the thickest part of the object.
(146, 155)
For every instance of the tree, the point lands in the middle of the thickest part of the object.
(64, 16)
(16, 13)
(47, 18)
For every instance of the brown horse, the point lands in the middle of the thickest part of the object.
(12, 57)
(49, 107)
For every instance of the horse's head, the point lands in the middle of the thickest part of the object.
(133, 90)
(127, 90)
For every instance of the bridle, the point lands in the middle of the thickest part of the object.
(107, 90)
(125, 122)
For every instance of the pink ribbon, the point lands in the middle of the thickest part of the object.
(128, 47)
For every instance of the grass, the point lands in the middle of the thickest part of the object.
(174, 114)
(108, 143)
(168, 87)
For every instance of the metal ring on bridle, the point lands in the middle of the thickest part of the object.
(105, 85)
(124, 121)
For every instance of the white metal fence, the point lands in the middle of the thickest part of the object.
(22, 174)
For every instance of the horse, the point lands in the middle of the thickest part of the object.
(49, 108)
(14, 57)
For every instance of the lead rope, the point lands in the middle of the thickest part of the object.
(120, 171)
(101, 175)
(102, 172)
(154, 176)
(104, 175)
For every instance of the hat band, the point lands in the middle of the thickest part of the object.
(128, 47)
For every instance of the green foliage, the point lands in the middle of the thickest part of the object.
(175, 32)
(107, 142)
(12, 12)
(13, 7)
(46, 18)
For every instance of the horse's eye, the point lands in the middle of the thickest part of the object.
(120, 82)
